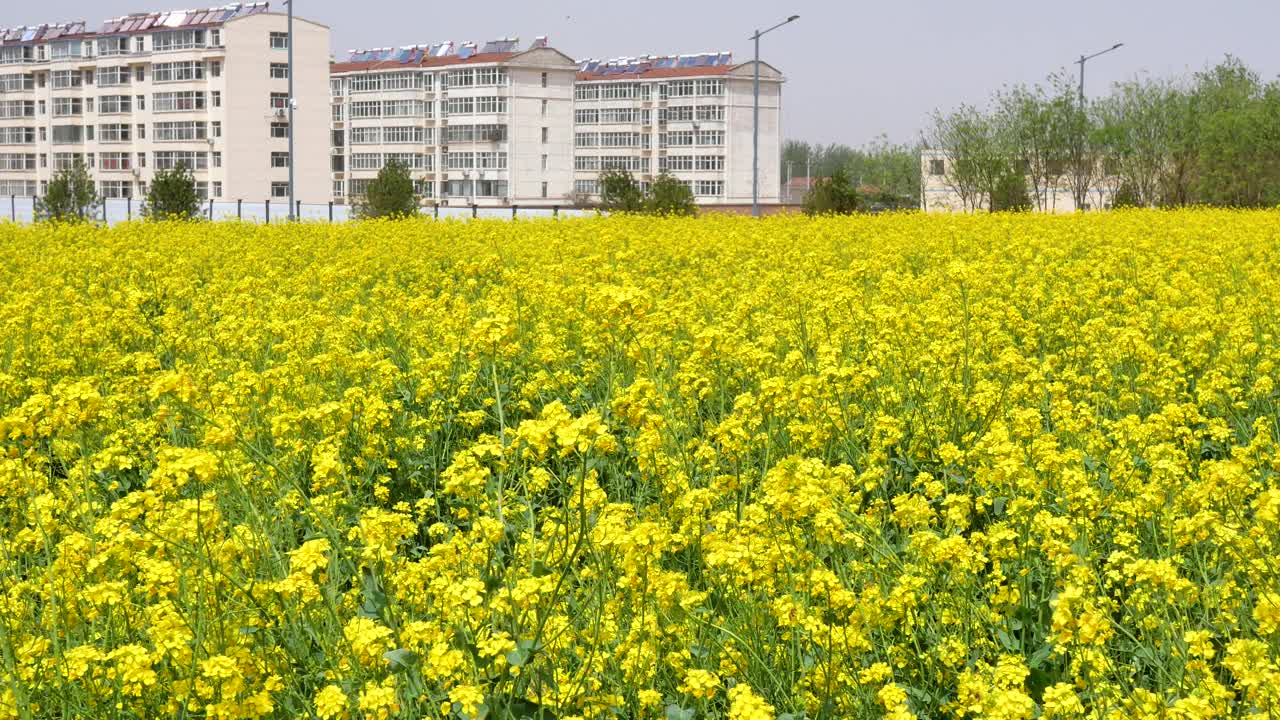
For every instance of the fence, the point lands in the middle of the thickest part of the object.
(21, 209)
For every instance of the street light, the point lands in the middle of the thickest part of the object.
(755, 119)
(1085, 58)
(292, 204)
(1078, 191)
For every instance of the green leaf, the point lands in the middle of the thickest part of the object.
(1039, 656)
(675, 712)
(401, 658)
(518, 657)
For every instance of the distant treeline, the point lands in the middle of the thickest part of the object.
(1212, 138)
(887, 174)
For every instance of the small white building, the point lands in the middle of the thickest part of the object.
(485, 125)
(149, 91)
(689, 115)
(938, 193)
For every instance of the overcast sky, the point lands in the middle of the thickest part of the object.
(854, 69)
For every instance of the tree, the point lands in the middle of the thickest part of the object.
(390, 195)
(1236, 125)
(976, 156)
(1133, 134)
(669, 196)
(70, 197)
(1010, 192)
(619, 191)
(833, 195)
(172, 196)
(1033, 128)
(892, 169)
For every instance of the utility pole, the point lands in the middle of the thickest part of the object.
(292, 104)
(755, 117)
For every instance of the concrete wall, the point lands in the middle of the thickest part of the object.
(247, 142)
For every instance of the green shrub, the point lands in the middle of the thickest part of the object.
(70, 197)
(390, 195)
(172, 196)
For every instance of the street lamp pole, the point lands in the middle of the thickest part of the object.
(1078, 190)
(755, 117)
(1085, 58)
(292, 203)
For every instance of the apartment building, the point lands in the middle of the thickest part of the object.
(688, 115)
(207, 89)
(483, 124)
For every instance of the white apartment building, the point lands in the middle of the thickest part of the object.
(939, 194)
(477, 125)
(203, 88)
(689, 115)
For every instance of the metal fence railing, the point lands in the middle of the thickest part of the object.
(21, 209)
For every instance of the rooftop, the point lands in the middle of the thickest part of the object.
(128, 24)
(656, 66)
(445, 53)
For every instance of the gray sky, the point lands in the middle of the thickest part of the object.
(854, 69)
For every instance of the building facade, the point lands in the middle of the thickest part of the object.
(940, 193)
(484, 125)
(688, 115)
(150, 91)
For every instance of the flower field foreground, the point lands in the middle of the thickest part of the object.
(896, 466)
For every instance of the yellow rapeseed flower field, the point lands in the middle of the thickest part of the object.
(898, 466)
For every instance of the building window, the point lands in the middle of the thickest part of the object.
(280, 71)
(142, 159)
(139, 44)
(215, 37)
(544, 189)
(937, 167)
(279, 130)
(142, 101)
(544, 163)
(177, 71)
(280, 41)
(141, 131)
(544, 108)
(215, 68)
(279, 189)
(139, 73)
(217, 188)
(177, 40)
(279, 101)
(181, 130)
(215, 129)
(181, 101)
(217, 159)
(215, 98)
(546, 134)
(544, 79)
(279, 159)
(171, 159)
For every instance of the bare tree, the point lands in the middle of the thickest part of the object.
(974, 158)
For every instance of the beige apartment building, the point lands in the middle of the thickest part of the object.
(485, 125)
(688, 115)
(204, 88)
(493, 125)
